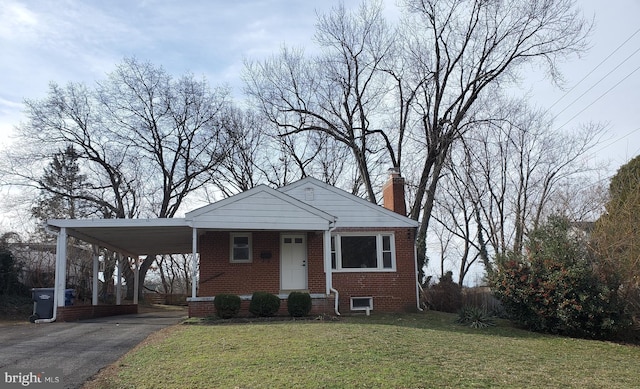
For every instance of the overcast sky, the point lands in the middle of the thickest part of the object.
(74, 40)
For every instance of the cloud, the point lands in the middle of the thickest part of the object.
(18, 22)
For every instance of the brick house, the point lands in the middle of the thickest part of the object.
(313, 237)
(348, 253)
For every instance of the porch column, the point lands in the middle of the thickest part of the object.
(136, 282)
(119, 280)
(94, 287)
(194, 261)
(327, 261)
(61, 267)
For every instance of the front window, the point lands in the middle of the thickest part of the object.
(240, 247)
(362, 252)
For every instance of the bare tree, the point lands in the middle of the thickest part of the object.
(175, 273)
(145, 141)
(468, 47)
(505, 180)
(340, 92)
(455, 218)
(412, 91)
(262, 154)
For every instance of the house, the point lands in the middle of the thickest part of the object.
(348, 253)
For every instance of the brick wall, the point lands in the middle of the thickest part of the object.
(315, 263)
(206, 308)
(201, 308)
(82, 312)
(391, 291)
(219, 275)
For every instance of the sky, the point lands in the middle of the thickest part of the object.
(82, 40)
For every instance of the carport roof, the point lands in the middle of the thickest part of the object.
(132, 236)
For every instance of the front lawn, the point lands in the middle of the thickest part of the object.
(408, 351)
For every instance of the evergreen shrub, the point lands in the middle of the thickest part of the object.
(299, 304)
(264, 304)
(227, 305)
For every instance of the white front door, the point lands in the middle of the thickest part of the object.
(293, 262)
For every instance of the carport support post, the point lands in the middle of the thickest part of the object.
(119, 281)
(94, 287)
(327, 261)
(136, 282)
(194, 261)
(61, 267)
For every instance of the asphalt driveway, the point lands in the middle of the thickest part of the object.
(81, 348)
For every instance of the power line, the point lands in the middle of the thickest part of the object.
(598, 82)
(595, 68)
(600, 97)
(615, 140)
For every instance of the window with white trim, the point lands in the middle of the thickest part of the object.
(363, 252)
(240, 244)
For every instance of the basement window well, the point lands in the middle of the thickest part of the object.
(362, 304)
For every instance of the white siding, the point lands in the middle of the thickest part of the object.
(351, 211)
(260, 210)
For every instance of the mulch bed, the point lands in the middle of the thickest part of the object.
(213, 320)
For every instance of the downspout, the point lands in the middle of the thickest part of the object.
(418, 285)
(335, 302)
(331, 289)
(421, 291)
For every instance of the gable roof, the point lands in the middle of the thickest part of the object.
(305, 205)
(350, 210)
(261, 208)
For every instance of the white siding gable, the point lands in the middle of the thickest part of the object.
(260, 208)
(351, 211)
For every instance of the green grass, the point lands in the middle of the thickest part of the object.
(408, 351)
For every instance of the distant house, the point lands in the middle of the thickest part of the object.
(582, 229)
(306, 236)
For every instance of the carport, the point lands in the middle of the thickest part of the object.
(132, 238)
(260, 208)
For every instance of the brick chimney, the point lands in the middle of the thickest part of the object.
(393, 193)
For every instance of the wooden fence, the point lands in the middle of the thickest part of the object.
(481, 296)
